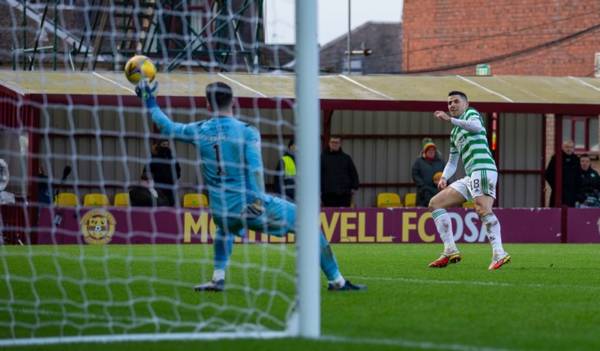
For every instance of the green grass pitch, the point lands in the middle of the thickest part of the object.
(548, 298)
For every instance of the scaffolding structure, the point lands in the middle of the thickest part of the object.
(212, 35)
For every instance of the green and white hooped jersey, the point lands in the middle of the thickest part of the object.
(472, 146)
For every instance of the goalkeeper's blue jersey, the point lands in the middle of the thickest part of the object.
(229, 152)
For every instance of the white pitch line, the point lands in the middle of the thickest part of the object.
(475, 282)
(112, 81)
(484, 88)
(104, 339)
(412, 344)
(241, 84)
(585, 83)
(365, 87)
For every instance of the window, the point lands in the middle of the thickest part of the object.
(356, 65)
(583, 130)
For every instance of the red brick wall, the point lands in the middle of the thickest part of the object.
(442, 33)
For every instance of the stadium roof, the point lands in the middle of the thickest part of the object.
(389, 92)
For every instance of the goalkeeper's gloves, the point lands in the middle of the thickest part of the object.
(147, 91)
(254, 210)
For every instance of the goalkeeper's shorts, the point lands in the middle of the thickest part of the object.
(279, 218)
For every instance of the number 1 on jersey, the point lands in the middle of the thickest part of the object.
(218, 158)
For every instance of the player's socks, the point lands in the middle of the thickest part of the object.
(492, 227)
(338, 282)
(328, 262)
(444, 228)
(223, 246)
(218, 274)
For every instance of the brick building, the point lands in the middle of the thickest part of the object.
(523, 37)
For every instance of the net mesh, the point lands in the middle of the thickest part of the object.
(93, 258)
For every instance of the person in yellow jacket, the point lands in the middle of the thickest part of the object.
(285, 174)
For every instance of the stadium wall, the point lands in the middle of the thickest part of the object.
(360, 225)
(383, 144)
(520, 157)
(103, 136)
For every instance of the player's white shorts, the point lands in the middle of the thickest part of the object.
(479, 183)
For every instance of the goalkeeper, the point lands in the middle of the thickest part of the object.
(232, 169)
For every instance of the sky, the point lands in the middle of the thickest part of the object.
(333, 17)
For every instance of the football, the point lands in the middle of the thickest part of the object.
(139, 67)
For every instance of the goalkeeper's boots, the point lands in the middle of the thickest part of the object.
(499, 261)
(213, 285)
(348, 286)
(445, 259)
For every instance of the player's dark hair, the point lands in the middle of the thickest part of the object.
(144, 175)
(584, 155)
(219, 95)
(291, 142)
(456, 92)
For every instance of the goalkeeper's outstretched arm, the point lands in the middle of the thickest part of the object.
(181, 131)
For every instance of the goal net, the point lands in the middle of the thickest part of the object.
(106, 225)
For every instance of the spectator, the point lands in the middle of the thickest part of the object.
(589, 183)
(285, 177)
(165, 170)
(339, 179)
(5, 196)
(145, 195)
(426, 172)
(570, 175)
(44, 191)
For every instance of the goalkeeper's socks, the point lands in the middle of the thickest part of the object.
(492, 228)
(338, 282)
(328, 262)
(444, 227)
(222, 246)
(218, 274)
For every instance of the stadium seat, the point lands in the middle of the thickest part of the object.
(66, 200)
(410, 200)
(95, 200)
(387, 200)
(122, 200)
(195, 200)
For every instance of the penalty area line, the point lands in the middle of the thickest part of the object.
(421, 345)
(475, 282)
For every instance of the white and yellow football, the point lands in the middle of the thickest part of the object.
(139, 67)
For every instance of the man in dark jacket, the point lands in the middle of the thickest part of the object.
(570, 175)
(424, 172)
(589, 184)
(285, 176)
(339, 178)
(145, 195)
(165, 170)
